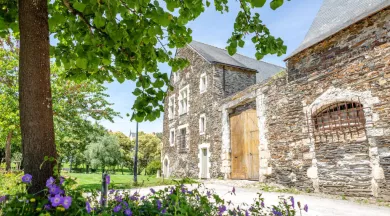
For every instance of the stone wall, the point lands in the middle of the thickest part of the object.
(353, 65)
(235, 79)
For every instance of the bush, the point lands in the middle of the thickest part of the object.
(153, 167)
(60, 198)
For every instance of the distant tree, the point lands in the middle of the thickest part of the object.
(149, 149)
(104, 153)
(159, 135)
(127, 150)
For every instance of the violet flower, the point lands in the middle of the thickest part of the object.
(117, 208)
(54, 190)
(262, 204)
(56, 200)
(208, 194)
(66, 202)
(276, 212)
(62, 180)
(152, 190)
(292, 202)
(50, 182)
(27, 178)
(3, 198)
(246, 213)
(158, 204)
(306, 208)
(221, 209)
(118, 198)
(108, 179)
(88, 207)
(164, 211)
(234, 190)
(128, 212)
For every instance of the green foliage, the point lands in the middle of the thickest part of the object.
(103, 153)
(153, 167)
(149, 149)
(126, 40)
(172, 200)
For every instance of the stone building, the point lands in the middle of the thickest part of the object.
(192, 118)
(324, 124)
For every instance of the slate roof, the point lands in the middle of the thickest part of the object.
(214, 54)
(336, 15)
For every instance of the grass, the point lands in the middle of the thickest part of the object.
(119, 181)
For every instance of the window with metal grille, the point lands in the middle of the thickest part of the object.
(182, 139)
(340, 116)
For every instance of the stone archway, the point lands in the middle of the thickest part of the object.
(166, 172)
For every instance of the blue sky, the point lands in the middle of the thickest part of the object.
(289, 22)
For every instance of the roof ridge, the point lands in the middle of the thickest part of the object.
(238, 54)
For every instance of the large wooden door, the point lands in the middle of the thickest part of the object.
(244, 142)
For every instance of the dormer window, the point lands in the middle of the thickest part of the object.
(203, 83)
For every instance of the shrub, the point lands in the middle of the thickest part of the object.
(60, 198)
(153, 167)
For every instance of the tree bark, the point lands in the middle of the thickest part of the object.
(35, 101)
(8, 152)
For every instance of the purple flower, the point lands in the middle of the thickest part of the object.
(66, 202)
(112, 191)
(108, 179)
(54, 190)
(118, 198)
(62, 179)
(246, 213)
(143, 197)
(128, 212)
(292, 202)
(306, 208)
(208, 194)
(152, 190)
(50, 182)
(117, 208)
(27, 178)
(125, 204)
(133, 198)
(234, 190)
(88, 207)
(47, 207)
(221, 209)
(164, 211)
(262, 204)
(56, 200)
(276, 212)
(158, 204)
(3, 198)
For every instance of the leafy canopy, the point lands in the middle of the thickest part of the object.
(109, 40)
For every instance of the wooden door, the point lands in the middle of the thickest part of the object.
(245, 142)
(237, 143)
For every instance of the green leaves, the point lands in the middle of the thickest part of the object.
(79, 6)
(82, 63)
(257, 3)
(99, 21)
(276, 4)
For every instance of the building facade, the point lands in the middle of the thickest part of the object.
(323, 125)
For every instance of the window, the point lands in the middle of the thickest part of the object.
(203, 83)
(183, 100)
(175, 76)
(171, 107)
(340, 116)
(202, 124)
(183, 140)
(172, 137)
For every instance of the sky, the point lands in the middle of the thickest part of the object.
(289, 22)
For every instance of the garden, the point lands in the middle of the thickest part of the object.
(56, 57)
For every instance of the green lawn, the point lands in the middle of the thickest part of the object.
(119, 181)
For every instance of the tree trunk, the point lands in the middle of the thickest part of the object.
(8, 152)
(35, 101)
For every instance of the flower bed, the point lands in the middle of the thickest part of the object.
(61, 197)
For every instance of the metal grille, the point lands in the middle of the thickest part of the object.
(337, 120)
(182, 139)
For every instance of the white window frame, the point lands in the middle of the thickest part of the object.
(172, 140)
(187, 108)
(171, 107)
(203, 87)
(175, 76)
(202, 130)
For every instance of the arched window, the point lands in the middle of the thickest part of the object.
(340, 116)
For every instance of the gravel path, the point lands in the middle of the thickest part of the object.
(318, 206)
